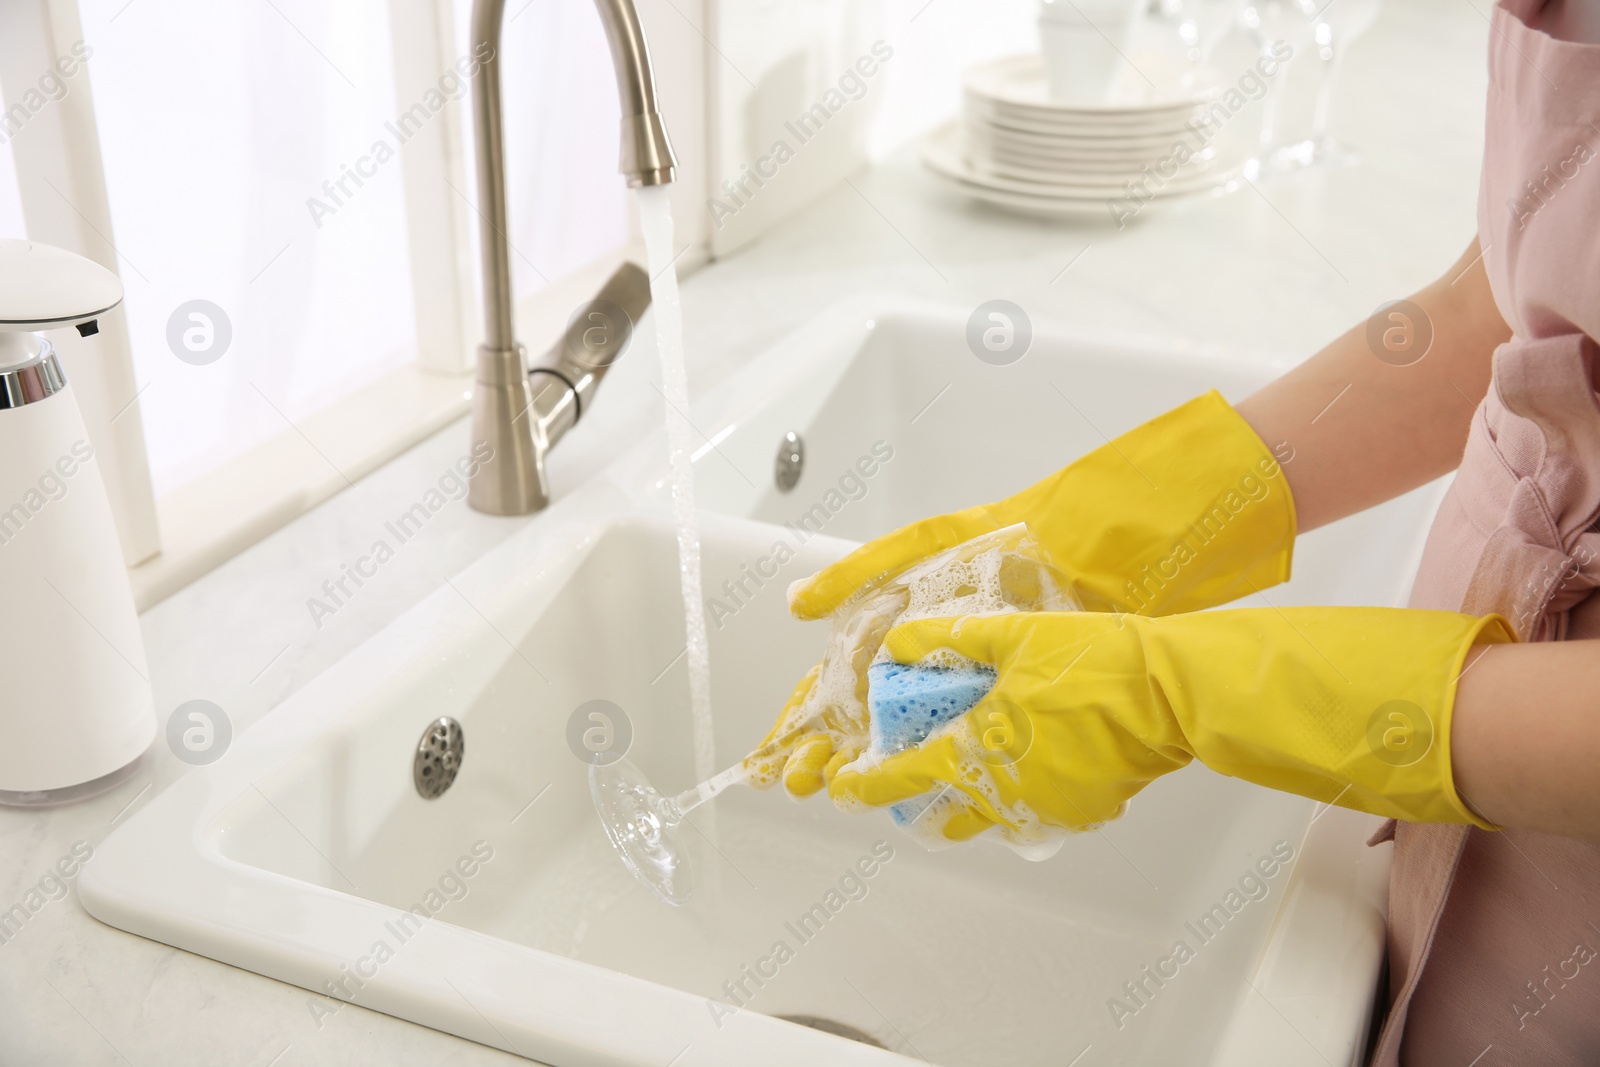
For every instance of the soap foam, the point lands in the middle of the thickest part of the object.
(871, 706)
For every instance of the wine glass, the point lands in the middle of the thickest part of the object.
(1201, 24)
(1338, 25)
(1293, 23)
(642, 823)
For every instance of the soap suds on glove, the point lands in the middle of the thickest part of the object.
(869, 704)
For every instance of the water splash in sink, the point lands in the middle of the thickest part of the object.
(655, 218)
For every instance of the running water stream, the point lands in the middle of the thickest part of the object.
(655, 217)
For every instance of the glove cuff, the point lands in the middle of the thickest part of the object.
(1188, 511)
(1349, 706)
(1491, 630)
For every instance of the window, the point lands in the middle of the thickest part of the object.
(222, 126)
(287, 190)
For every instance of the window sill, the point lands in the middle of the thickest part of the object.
(225, 511)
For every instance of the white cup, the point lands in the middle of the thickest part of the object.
(1084, 44)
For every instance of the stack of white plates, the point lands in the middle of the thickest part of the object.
(1147, 143)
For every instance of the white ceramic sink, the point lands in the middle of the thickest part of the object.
(297, 855)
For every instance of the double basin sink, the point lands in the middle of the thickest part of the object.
(1216, 923)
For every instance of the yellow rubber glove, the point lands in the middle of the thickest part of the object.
(1349, 706)
(1188, 511)
(801, 752)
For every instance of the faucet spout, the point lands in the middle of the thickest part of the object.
(646, 154)
(516, 415)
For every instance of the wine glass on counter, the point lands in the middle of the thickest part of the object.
(1337, 27)
(1314, 29)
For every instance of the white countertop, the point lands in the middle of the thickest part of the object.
(1274, 272)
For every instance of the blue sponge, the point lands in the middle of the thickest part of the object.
(908, 702)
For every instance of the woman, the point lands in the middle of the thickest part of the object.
(1468, 717)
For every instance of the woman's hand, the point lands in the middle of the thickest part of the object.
(1071, 730)
(1349, 706)
(1185, 512)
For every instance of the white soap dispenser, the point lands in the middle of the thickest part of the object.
(75, 705)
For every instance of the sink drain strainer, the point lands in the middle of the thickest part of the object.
(438, 758)
(790, 462)
(828, 1026)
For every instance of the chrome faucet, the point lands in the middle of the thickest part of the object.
(518, 411)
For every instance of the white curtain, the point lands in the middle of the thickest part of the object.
(234, 137)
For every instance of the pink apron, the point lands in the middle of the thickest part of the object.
(1494, 938)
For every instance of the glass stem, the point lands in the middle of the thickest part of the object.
(1272, 108)
(693, 797)
(1330, 78)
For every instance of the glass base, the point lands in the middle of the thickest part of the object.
(70, 794)
(1302, 155)
(642, 826)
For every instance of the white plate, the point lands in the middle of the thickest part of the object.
(1066, 207)
(1007, 144)
(946, 151)
(1107, 181)
(1084, 164)
(1074, 155)
(1085, 159)
(1131, 125)
(1149, 84)
(942, 153)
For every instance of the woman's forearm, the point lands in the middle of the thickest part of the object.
(1360, 429)
(1525, 739)
(1356, 429)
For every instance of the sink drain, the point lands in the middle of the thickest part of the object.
(438, 758)
(828, 1026)
(790, 462)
